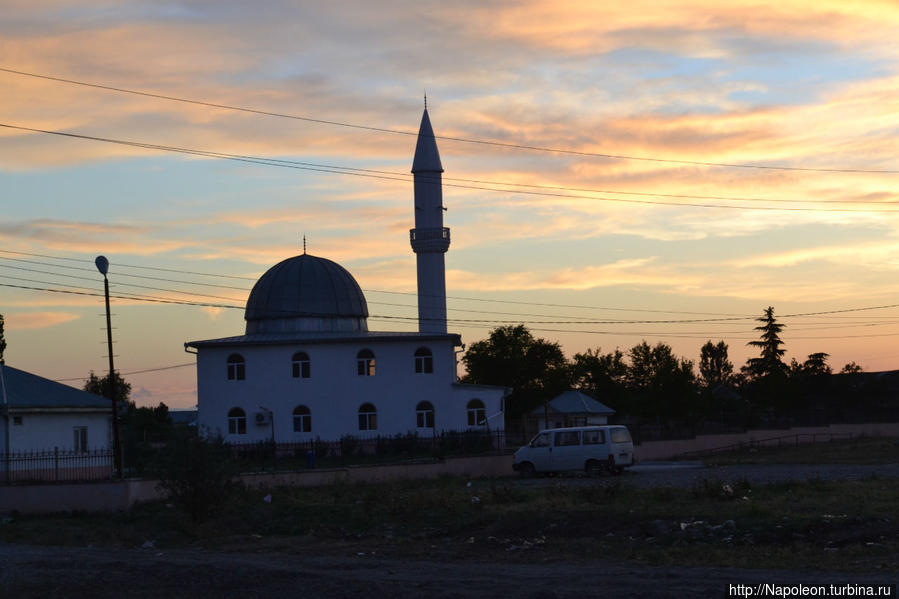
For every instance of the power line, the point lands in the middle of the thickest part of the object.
(461, 321)
(404, 293)
(572, 319)
(443, 137)
(339, 170)
(145, 370)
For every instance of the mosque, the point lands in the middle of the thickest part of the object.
(308, 368)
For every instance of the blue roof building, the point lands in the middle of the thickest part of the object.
(40, 414)
(572, 408)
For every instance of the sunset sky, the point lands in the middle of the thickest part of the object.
(717, 158)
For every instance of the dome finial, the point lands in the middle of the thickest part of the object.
(426, 99)
(304, 244)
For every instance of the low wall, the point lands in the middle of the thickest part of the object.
(107, 496)
(98, 496)
(663, 450)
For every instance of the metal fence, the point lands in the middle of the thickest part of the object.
(56, 465)
(353, 450)
(793, 440)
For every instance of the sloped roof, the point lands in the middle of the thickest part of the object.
(576, 402)
(427, 158)
(26, 390)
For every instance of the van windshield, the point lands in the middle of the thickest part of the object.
(620, 435)
(541, 440)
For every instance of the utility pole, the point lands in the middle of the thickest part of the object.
(103, 266)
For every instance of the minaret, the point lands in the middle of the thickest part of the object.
(430, 239)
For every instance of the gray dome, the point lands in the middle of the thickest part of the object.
(306, 293)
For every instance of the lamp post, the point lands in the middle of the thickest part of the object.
(103, 266)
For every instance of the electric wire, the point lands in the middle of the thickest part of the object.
(444, 137)
(133, 372)
(346, 171)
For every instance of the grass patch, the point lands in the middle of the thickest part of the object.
(862, 450)
(842, 525)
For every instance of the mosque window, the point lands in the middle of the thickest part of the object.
(424, 361)
(477, 415)
(424, 415)
(302, 420)
(301, 368)
(237, 369)
(365, 363)
(368, 417)
(237, 422)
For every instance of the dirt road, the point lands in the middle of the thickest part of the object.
(29, 571)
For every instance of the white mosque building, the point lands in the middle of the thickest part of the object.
(308, 368)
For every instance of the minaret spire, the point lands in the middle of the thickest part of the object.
(430, 239)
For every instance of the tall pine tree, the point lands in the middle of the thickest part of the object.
(770, 345)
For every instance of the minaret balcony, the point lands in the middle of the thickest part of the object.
(430, 240)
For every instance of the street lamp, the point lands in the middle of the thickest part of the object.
(103, 266)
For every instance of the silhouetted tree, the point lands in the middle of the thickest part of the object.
(102, 386)
(663, 385)
(714, 367)
(535, 369)
(816, 365)
(769, 363)
(603, 374)
(851, 368)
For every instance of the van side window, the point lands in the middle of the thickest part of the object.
(567, 438)
(541, 440)
(594, 437)
(620, 435)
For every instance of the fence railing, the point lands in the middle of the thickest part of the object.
(56, 465)
(782, 441)
(265, 455)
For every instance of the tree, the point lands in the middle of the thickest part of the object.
(664, 385)
(714, 367)
(816, 365)
(101, 386)
(142, 430)
(603, 374)
(851, 368)
(2, 340)
(769, 363)
(535, 369)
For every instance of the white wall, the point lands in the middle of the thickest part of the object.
(335, 391)
(44, 431)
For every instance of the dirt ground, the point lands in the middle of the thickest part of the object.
(291, 567)
(29, 571)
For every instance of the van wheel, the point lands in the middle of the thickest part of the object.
(527, 470)
(593, 468)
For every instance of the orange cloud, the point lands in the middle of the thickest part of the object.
(19, 321)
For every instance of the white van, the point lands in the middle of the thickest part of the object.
(589, 449)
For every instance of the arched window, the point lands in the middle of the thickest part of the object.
(301, 367)
(368, 417)
(365, 363)
(237, 370)
(237, 422)
(424, 361)
(424, 415)
(477, 416)
(302, 420)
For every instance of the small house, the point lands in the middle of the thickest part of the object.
(43, 415)
(571, 408)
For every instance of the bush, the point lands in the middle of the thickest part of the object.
(197, 473)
